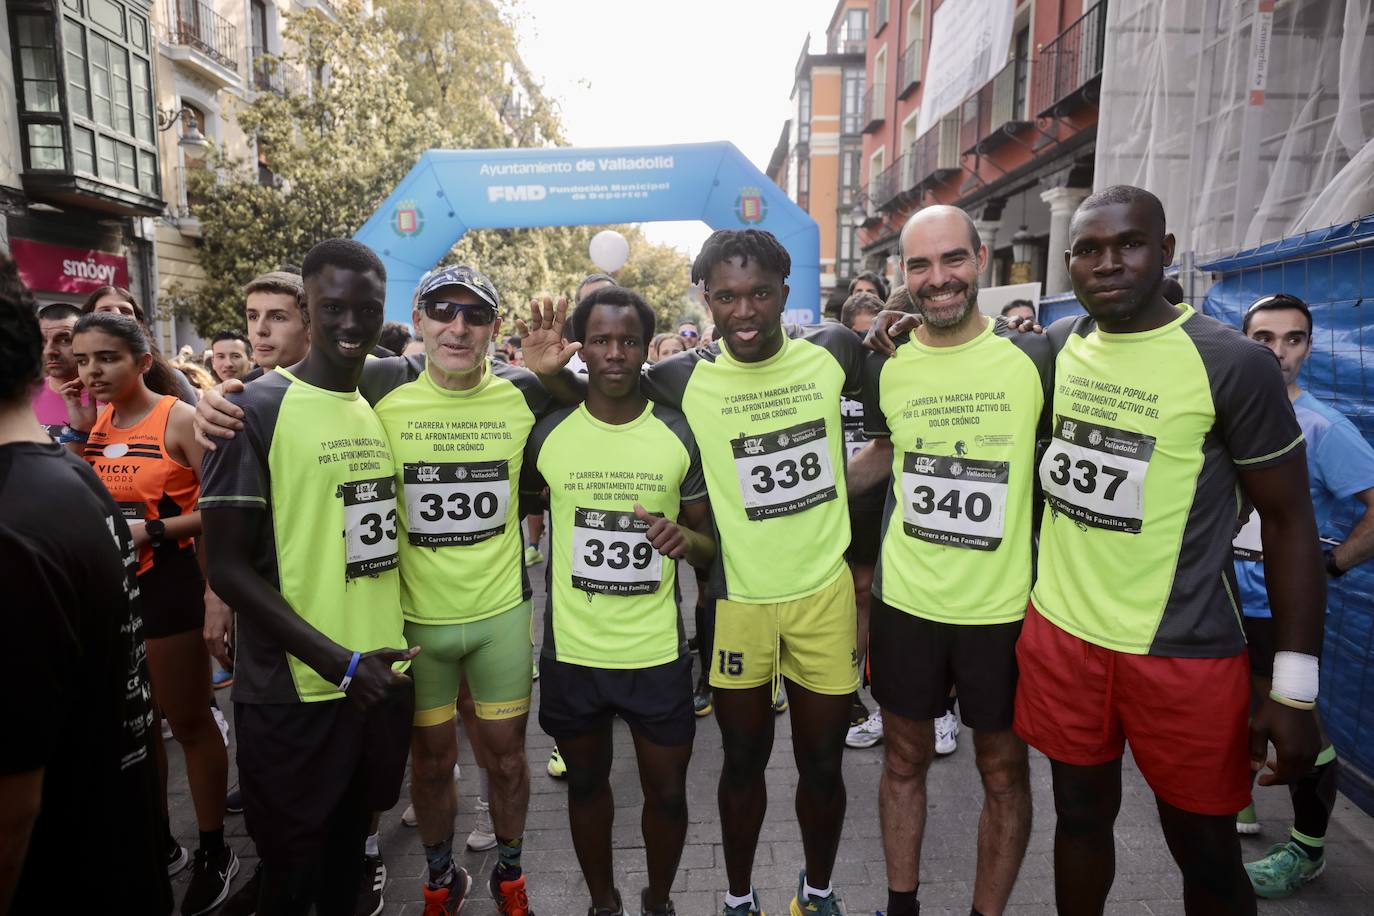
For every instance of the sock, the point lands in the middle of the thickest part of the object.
(732, 900)
(508, 855)
(974, 912)
(1313, 798)
(1312, 846)
(212, 839)
(483, 784)
(440, 858)
(816, 893)
(370, 847)
(902, 903)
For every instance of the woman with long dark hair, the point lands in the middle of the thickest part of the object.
(119, 301)
(143, 447)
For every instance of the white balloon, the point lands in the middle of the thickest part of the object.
(609, 250)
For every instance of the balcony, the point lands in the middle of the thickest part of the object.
(909, 69)
(203, 42)
(996, 111)
(1069, 73)
(890, 187)
(847, 41)
(936, 152)
(874, 110)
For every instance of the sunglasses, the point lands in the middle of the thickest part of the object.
(445, 311)
(688, 334)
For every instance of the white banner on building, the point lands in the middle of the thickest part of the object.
(969, 41)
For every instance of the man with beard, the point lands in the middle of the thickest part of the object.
(56, 321)
(954, 414)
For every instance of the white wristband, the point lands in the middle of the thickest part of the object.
(1296, 676)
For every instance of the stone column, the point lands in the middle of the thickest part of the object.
(1063, 202)
(987, 231)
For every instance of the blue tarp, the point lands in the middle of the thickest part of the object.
(1337, 286)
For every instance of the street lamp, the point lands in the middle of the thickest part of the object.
(1023, 249)
(191, 137)
(859, 214)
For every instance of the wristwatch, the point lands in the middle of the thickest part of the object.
(157, 530)
(1332, 569)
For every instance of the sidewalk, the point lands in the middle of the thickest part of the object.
(1147, 883)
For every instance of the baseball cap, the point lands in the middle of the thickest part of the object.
(464, 276)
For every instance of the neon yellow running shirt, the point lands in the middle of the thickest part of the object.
(963, 421)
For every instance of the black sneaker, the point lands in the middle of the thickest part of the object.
(603, 911)
(210, 877)
(701, 698)
(233, 802)
(370, 900)
(244, 901)
(858, 712)
(177, 858)
(666, 910)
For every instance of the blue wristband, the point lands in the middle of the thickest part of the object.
(348, 675)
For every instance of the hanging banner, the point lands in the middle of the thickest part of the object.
(59, 269)
(969, 41)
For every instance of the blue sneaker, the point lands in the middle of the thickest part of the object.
(221, 679)
(803, 905)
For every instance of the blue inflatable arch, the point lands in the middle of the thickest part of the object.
(449, 192)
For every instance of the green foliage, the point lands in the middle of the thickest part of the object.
(420, 74)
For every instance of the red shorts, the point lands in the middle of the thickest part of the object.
(1185, 718)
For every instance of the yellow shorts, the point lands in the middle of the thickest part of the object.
(808, 640)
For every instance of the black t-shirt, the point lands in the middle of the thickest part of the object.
(74, 692)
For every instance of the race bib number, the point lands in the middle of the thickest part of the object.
(1246, 545)
(455, 503)
(784, 472)
(611, 556)
(1096, 474)
(957, 502)
(370, 526)
(852, 418)
(133, 512)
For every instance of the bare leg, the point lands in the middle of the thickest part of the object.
(663, 777)
(1004, 828)
(179, 667)
(745, 718)
(1086, 802)
(591, 810)
(908, 749)
(819, 724)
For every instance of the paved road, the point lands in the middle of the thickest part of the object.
(1146, 881)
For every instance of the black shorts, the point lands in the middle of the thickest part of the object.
(915, 661)
(172, 595)
(865, 533)
(655, 702)
(1259, 635)
(302, 764)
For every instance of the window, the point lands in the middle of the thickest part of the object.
(1020, 50)
(804, 183)
(94, 114)
(804, 112)
(851, 158)
(847, 257)
(880, 12)
(852, 100)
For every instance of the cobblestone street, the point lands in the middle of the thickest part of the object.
(1146, 881)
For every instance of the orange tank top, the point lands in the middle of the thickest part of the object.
(140, 475)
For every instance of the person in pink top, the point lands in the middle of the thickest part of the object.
(59, 367)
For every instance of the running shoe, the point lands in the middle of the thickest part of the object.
(447, 900)
(557, 768)
(370, 900)
(858, 712)
(483, 836)
(803, 905)
(1283, 870)
(946, 734)
(223, 725)
(1247, 822)
(244, 901)
(744, 909)
(210, 877)
(606, 911)
(221, 679)
(408, 815)
(178, 857)
(233, 801)
(867, 733)
(701, 698)
(533, 555)
(166, 730)
(645, 910)
(510, 896)
(780, 702)
(534, 661)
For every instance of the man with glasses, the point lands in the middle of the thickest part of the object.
(689, 334)
(457, 424)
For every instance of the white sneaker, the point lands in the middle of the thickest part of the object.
(946, 734)
(223, 725)
(483, 836)
(868, 732)
(408, 815)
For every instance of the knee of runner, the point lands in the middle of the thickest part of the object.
(822, 772)
(907, 764)
(670, 801)
(1082, 814)
(512, 766)
(1005, 778)
(430, 764)
(584, 785)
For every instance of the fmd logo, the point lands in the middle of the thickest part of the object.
(596, 519)
(924, 466)
(753, 446)
(407, 219)
(750, 207)
(428, 473)
(366, 492)
(512, 193)
(1069, 429)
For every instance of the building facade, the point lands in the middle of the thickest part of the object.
(1016, 151)
(818, 156)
